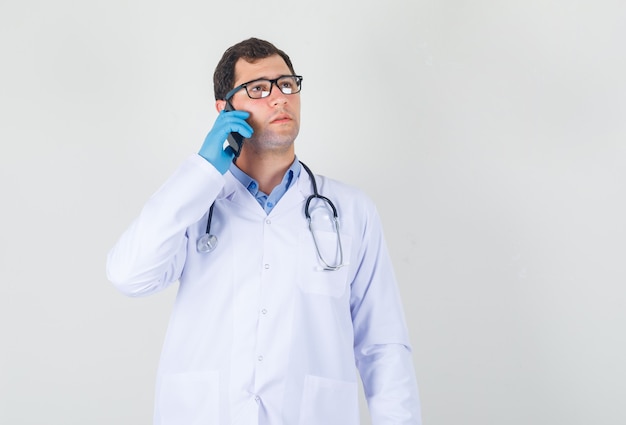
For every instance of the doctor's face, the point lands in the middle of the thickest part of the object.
(276, 118)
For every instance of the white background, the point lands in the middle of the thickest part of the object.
(491, 135)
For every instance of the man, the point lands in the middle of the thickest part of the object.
(271, 315)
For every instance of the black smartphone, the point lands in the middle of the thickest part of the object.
(235, 140)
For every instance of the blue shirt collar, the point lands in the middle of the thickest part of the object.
(268, 201)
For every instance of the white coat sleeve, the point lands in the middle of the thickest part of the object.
(382, 348)
(151, 253)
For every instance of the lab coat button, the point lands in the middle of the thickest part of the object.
(264, 311)
(267, 266)
(260, 358)
(268, 221)
(257, 399)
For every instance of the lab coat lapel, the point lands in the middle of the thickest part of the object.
(235, 192)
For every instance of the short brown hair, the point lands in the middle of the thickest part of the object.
(250, 50)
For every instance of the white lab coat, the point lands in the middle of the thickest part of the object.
(258, 333)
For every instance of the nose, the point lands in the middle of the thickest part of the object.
(277, 97)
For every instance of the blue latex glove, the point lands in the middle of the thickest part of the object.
(213, 147)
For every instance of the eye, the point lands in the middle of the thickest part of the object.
(288, 85)
(259, 86)
(255, 88)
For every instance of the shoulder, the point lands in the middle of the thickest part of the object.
(347, 197)
(331, 184)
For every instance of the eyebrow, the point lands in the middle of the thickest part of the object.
(266, 78)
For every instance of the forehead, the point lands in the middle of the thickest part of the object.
(270, 67)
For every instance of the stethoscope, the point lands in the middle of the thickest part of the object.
(208, 241)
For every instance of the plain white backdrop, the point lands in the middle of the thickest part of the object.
(491, 135)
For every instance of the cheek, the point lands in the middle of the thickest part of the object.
(296, 109)
(254, 122)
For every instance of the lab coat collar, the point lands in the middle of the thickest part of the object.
(235, 192)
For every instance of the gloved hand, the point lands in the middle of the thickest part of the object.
(213, 147)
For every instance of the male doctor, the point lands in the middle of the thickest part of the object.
(272, 317)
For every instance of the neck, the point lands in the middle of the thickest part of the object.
(267, 170)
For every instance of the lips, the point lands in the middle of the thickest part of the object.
(281, 117)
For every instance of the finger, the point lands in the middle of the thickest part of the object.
(238, 114)
(242, 128)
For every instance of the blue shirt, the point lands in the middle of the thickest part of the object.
(266, 201)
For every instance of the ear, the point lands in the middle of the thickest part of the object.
(220, 105)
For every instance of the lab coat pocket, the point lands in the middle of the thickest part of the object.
(190, 398)
(329, 402)
(313, 278)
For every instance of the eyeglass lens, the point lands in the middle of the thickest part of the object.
(262, 88)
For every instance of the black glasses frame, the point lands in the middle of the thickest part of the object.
(273, 82)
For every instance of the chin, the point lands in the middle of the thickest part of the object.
(278, 139)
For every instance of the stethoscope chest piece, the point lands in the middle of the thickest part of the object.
(206, 243)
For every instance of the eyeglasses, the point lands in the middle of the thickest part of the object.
(258, 89)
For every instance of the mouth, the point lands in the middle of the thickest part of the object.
(280, 118)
